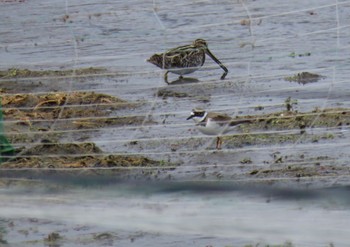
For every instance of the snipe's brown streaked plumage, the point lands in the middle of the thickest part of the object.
(185, 59)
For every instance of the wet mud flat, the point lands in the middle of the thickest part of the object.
(89, 117)
(68, 127)
(62, 125)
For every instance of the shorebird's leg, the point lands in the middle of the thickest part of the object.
(166, 77)
(218, 142)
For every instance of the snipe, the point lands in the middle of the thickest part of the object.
(185, 59)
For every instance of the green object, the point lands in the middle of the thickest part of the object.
(6, 148)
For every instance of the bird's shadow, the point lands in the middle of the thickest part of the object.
(183, 80)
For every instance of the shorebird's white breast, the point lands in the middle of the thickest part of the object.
(212, 128)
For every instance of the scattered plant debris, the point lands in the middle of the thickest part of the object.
(293, 54)
(165, 93)
(290, 103)
(304, 78)
(71, 155)
(23, 73)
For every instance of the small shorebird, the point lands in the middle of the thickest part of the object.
(185, 59)
(213, 123)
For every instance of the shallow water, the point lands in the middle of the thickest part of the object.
(121, 35)
(200, 214)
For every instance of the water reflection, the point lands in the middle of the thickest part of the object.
(183, 80)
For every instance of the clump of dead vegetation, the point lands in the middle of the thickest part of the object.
(76, 110)
(72, 155)
(25, 73)
(304, 77)
(41, 117)
(288, 120)
(329, 117)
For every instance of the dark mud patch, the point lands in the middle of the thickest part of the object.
(304, 77)
(25, 73)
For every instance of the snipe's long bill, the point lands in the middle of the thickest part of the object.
(185, 59)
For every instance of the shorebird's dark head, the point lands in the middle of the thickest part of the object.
(197, 113)
(156, 59)
(200, 43)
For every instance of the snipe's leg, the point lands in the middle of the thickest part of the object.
(166, 77)
(218, 142)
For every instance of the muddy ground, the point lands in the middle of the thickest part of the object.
(88, 117)
(37, 125)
